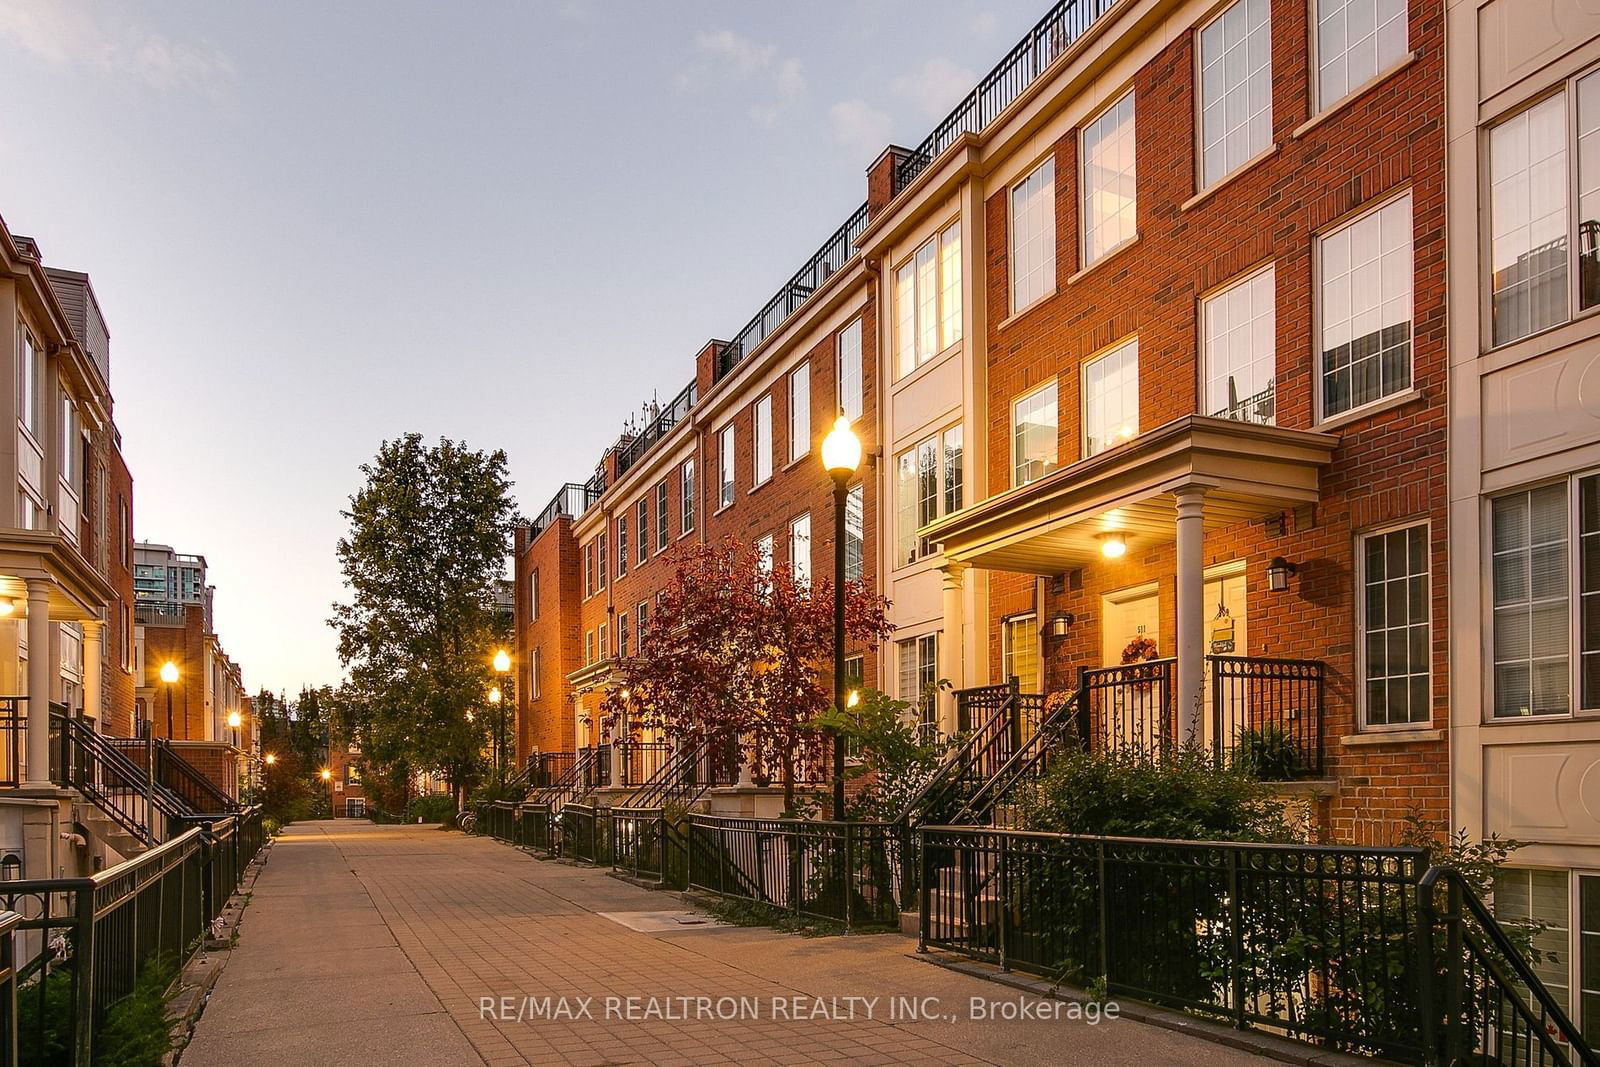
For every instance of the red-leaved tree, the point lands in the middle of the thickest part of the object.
(740, 648)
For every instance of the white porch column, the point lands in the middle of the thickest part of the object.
(952, 644)
(1190, 707)
(38, 769)
(93, 678)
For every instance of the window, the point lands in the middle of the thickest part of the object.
(1529, 228)
(1019, 649)
(800, 412)
(1111, 398)
(1235, 89)
(124, 531)
(533, 674)
(1395, 618)
(588, 569)
(622, 633)
(1108, 182)
(855, 538)
(1532, 609)
(919, 670)
(1524, 896)
(533, 594)
(855, 671)
(643, 533)
(1356, 40)
(800, 549)
(600, 561)
(601, 649)
(71, 461)
(662, 507)
(927, 294)
(1033, 435)
(643, 620)
(1240, 325)
(850, 371)
(588, 647)
(725, 466)
(927, 485)
(1366, 308)
(1588, 957)
(763, 438)
(622, 545)
(764, 554)
(686, 490)
(30, 384)
(1033, 237)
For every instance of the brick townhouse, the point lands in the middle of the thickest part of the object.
(1162, 399)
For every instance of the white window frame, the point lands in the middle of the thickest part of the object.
(1116, 351)
(1208, 354)
(686, 497)
(663, 516)
(933, 271)
(765, 547)
(800, 548)
(855, 497)
(622, 543)
(1362, 703)
(642, 534)
(1087, 255)
(1320, 316)
(1326, 101)
(533, 595)
(1251, 151)
(727, 469)
(1053, 386)
(1008, 653)
(533, 673)
(849, 373)
(926, 708)
(906, 529)
(800, 411)
(761, 439)
(1046, 269)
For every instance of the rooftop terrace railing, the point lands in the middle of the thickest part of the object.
(659, 427)
(1050, 37)
(571, 501)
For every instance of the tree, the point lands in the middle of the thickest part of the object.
(741, 648)
(428, 536)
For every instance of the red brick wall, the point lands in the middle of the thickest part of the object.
(545, 723)
(215, 759)
(119, 683)
(184, 646)
(1389, 466)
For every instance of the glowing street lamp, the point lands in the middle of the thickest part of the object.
(841, 455)
(502, 667)
(169, 676)
(271, 759)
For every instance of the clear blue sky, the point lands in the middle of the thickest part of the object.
(316, 225)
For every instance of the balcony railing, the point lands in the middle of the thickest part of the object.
(835, 252)
(571, 501)
(659, 427)
(1045, 43)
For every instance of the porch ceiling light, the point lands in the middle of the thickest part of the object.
(841, 449)
(1113, 545)
(8, 607)
(1279, 571)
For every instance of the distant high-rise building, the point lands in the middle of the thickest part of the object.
(164, 580)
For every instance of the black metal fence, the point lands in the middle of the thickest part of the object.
(1128, 707)
(13, 735)
(646, 844)
(10, 921)
(586, 833)
(843, 871)
(570, 501)
(79, 944)
(668, 417)
(642, 759)
(1267, 714)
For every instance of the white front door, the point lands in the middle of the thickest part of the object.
(1130, 716)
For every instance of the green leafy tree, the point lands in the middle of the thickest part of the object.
(428, 536)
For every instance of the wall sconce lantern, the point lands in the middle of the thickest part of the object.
(1059, 624)
(1279, 572)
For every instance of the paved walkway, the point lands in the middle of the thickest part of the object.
(382, 945)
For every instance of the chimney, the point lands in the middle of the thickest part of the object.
(705, 367)
(881, 185)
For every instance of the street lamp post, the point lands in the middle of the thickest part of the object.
(169, 676)
(327, 776)
(502, 667)
(841, 455)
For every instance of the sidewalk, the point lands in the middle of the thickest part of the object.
(398, 945)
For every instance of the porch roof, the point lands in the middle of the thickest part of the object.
(1055, 522)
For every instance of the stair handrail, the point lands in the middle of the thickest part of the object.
(668, 785)
(958, 758)
(566, 787)
(1028, 756)
(1464, 903)
(79, 739)
(168, 756)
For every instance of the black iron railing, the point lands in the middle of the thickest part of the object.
(843, 871)
(9, 923)
(1048, 734)
(13, 740)
(598, 775)
(669, 416)
(1128, 707)
(1004, 718)
(693, 768)
(81, 943)
(1266, 715)
(570, 501)
(545, 769)
(835, 252)
(92, 763)
(1045, 43)
(1261, 408)
(586, 833)
(646, 844)
(575, 781)
(199, 794)
(642, 759)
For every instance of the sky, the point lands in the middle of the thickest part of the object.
(315, 226)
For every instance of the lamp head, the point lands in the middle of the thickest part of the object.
(841, 449)
(494, 695)
(234, 720)
(1113, 545)
(169, 672)
(502, 661)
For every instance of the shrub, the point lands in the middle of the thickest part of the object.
(136, 1032)
(894, 759)
(435, 807)
(1269, 754)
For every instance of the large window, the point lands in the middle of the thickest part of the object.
(1239, 325)
(855, 533)
(919, 670)
(799, 412)
(600, 560)
(1108, 183)
(725, 466)
(588, 569)
(850, 371)
(1356, 40)
(1531, 228)
(1396, 608)
(1235, 89)
(1530, 535)
(1366, 274)
(1033, 237)
(643, 532)
(622, 545)
(533, 594)
(1033, 435)
(927, 297)
(1522, 897)
(622, 634)
(764, 554)
(533, 674)
(1111, 398)
(1019, 650)
(663, 507)
(642, 623)
(927, 485)
(30, 383)
(800, 549)
(762, 438)
(686, 488)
